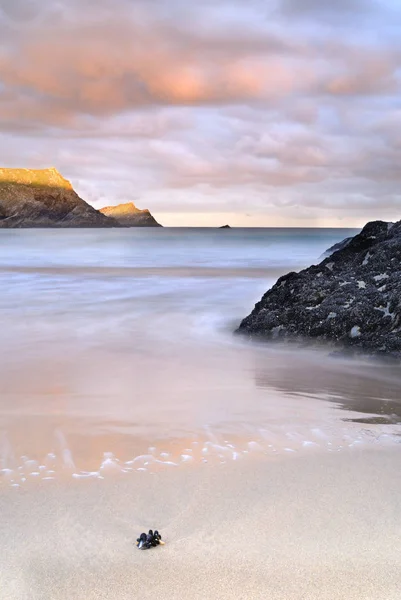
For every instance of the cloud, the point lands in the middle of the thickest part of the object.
(103, 68)
(208, 105)
(78, 65)
(20, 11)
(326, 8)
(365, 71)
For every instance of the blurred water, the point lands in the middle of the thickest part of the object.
(167, 247)
(114, 341)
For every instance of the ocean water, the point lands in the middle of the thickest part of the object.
(118, 356)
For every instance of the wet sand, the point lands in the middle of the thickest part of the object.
(325, 526)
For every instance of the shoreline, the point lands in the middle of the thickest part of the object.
(273, 445)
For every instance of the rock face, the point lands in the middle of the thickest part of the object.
(130, 216)
(43, 198)
(352, 298)
(336, 247)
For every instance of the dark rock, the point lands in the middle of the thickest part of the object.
(43, 198)
(150, 540)
(130, 216)
(336, 247)
(351, 298)
(225, 227)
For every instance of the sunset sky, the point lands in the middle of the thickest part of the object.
(248, 112)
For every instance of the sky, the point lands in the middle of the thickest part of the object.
(247, 112)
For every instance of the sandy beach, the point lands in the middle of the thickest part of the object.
(323, 526)
(127, 404)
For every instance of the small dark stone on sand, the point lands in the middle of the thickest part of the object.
(149, 540)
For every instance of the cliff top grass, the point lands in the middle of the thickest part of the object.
(121, 209)
(34, 177)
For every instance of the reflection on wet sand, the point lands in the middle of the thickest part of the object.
(128, 421)
(367, 386)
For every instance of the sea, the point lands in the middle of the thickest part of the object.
(118, 358)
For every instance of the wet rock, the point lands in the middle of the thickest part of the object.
(336, 247)
(351, 298)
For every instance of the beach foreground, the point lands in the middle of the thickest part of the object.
(322, 526)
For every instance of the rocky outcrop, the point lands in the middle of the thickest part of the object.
(43, 198)
(225, 227)
(336, 247)
(352, 298)
(130, 216)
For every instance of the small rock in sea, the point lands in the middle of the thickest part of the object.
(150, 540)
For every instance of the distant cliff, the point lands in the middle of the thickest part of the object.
(130, 216)
(43, 198)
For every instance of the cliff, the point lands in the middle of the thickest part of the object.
(43, 198)
(130, 216)
(351, 298)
